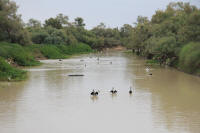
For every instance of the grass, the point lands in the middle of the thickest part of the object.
(25, 55)
(58, 51)
(9, 73)
(35, 51)
(17, 54)
(80, 48)
(52, 52)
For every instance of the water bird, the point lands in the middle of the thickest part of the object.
(147, 69)
(130, 91)
(60, 59)
(92, 93)
(113, 91)
(9, 78)
(95, 93)
(151, 74)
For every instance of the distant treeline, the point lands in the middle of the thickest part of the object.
(171, 37)
(57, 30)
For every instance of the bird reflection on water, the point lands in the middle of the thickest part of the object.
(94, 98)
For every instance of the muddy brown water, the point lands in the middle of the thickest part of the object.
(50, 101)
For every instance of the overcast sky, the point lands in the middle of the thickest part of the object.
(114, 13)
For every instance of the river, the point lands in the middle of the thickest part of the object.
(50, 101)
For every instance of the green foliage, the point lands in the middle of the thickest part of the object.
(190, 58)
(52, 52)
(163, 37)
(75, 49)
(17, 53)
(61, 51)
(33, 23)
(59, 31)
(79, 22)
(57, 22)
(163, 49)
(39, 36)
(7, 72)
(11, 26)
(55, 36)
(106, 37)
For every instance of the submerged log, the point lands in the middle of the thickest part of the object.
(75, 75)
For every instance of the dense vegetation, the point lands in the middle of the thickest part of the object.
(171, 37)
(60, 51)
(60, 31)
(17, 54)
(21, 44)
(7, 72)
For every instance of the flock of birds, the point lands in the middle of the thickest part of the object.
(113, 91)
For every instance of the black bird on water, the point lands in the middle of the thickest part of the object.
(94, 93)
(113, 91)
(130, 91)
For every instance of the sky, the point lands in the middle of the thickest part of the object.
(114, 13)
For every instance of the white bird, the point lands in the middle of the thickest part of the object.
(147, 69)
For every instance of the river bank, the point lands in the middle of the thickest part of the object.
(182, 66)
(15, 57)
(178, 67)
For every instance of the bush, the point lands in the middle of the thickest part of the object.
(17, 53)
(39, 36)
(189, 58)
(52, 52)
(7, 72)
(75, 49)
(35, 51)
(57, 51)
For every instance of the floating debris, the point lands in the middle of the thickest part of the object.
(76, 75)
